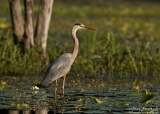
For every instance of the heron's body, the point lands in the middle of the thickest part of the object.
(61, 66)
(58, 68)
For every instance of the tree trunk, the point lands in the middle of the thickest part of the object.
(29, 25)
(17, 20)
(42, 26)
(31, 38)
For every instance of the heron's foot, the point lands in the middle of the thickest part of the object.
(55, 105)
(64, 96)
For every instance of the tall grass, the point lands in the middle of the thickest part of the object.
(113, 57)
(13, 61)
(124, 59)
(96, 55)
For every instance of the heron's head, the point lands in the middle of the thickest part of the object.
(81, 26)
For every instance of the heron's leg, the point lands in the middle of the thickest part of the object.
(64, 79)
(56, 82)
(55, 92)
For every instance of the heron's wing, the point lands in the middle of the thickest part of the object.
(57, 69)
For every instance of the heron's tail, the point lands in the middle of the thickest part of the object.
(41, 85)
(46, 82)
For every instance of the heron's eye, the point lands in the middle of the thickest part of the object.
(81, 25)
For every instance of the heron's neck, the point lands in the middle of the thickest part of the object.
(76, 43)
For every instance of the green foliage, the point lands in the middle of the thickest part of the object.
(147, 98)
(96, 55)
(111, 56)
(13, 61)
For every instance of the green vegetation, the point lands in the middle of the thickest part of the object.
(13, 61)
(126, 40)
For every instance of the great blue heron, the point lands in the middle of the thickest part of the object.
(61, 66)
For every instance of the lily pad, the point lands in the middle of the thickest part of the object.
(4, 86)
(146, 98)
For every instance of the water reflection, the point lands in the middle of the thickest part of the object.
(18, 112)
(37, 111)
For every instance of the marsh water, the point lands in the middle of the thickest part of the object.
(107, 94)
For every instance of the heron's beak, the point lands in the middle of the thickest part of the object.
(89, 28)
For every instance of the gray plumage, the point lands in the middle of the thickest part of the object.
(57, 69)
(61, 66)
